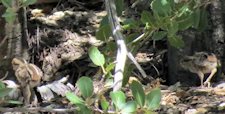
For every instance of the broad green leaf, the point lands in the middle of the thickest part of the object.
(104, 21)
(176, 41)
(172, 28)
(118, 98)
(172, 4)
(28, 2)
(127, 73)
(96, 56)
(204, 20)
(5, 91)
(14, 102)
(196, 17)
(104, 103)
(2, 85)
(184, 10)
(119, 7)
(84, 110)
(138, 93)
(7, 3)
(153, 99)
(104, 32)
(147, 17)
(149, 20)
(9, 15)
(130, 107)
(74, 98)
(159, 35)
(186, 23)
(110, 67)
(85, 85)
(161, 7)
(130, 24)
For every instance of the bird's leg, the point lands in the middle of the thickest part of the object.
(207, 82)
(201, 76)
(26, 90)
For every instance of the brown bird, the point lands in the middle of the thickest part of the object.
(28, 75)
(201, 63)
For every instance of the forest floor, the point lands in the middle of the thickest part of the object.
(61, 33)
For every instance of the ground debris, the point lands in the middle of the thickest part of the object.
(192, 100)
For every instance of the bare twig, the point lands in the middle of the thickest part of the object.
(3, 78)
(122, 51)
(3, 41)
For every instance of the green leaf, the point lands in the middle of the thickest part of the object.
(119, 7)
(161, 7)
(85, 85)
(159, 35)
(127, 73)
(14, 102)
(104, 21)
(184, 9)
(104, 104)
(7, 3)
(130, 24)
(9, 15)
(138, 93)
(2, 85)
(204, 20)
(74, 98)
(186, 23)
(147, 17)
(176, 41)
(28, 2)
(5, 91)
(96, 56)
(118, 99)
(196, 18)
(110, 67)
(129, 107)
(172, 28)
(84, 110)
(153, 99)
(104, 32)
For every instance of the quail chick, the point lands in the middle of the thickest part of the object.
(201, 63)
(28, 75)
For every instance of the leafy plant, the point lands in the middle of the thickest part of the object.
(149, 102)
(85, 86)
(4, 92)
(119, 100)
(165, 20)
(142, 102)
(99, 60)
(12, 6)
